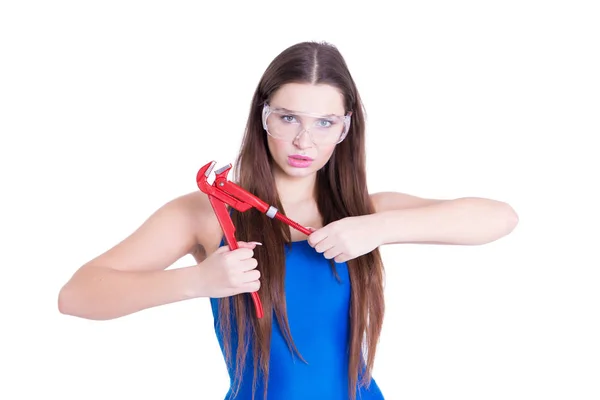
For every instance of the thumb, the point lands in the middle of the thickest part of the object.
(247, 245)
(222, 249)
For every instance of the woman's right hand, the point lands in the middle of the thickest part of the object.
(229, 272)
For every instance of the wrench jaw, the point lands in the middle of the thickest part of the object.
(222, 172)
(202, 177)
(211, 165)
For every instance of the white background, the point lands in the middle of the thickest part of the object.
(109, 108)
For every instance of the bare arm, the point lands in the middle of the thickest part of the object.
(132, 276)
(464, 221)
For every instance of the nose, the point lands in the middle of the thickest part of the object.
(304, 139)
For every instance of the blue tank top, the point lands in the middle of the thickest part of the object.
(318, 307)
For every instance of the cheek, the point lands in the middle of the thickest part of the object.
(277, 147)
(325, 154)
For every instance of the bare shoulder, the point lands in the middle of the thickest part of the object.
(196, 208)
(185, 225)
(388, 201)
(207, 228)
(199, 221)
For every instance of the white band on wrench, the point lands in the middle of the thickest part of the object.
(271, 212)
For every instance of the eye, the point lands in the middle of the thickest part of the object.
(288, 118)
(324, 123)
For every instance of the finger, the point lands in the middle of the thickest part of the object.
(320, 234)
(249, 245)
(324, 245)
(248, 265)
(251, 276)
(341, 258)
(315, 238)
(253, 286)
(331, 253)
(242, 253)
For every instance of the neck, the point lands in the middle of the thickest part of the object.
(294, 190)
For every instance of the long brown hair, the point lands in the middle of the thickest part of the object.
(341, 191)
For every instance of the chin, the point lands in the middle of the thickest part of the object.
(299, 172)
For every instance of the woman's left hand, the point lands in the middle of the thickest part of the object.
(347, 238)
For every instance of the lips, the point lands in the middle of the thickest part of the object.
(298, 161)
(301, 158)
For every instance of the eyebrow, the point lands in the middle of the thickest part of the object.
(304, 112)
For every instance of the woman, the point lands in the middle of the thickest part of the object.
(304, 152)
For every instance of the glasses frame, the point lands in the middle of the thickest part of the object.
(268, 110)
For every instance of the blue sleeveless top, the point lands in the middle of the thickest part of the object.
(318, 307)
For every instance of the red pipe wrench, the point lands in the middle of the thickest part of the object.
(223, 192)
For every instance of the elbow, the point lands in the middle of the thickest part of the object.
(506, 221)
(72, 302)
(67, 301)
(74, 299)
(80, 297)
(511, 218)
(500, 220)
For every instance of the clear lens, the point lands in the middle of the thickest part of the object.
(285, 125)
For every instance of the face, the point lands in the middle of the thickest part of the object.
(304, 98)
